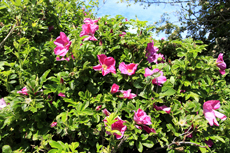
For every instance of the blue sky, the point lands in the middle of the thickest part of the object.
(150, 14)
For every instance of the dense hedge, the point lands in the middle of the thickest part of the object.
(73, 83)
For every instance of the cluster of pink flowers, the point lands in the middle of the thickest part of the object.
(151, 54)
(221, 64)
(107, 65)
(126, 93)
(89, 29)
(158, 80)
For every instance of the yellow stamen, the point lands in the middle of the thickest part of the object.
(104, 66)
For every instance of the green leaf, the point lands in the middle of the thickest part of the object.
(139, 146)
(73, 146)
(148, 144)
(167, 91)
(6, 149)
(54, 144)
(217, 138)
(144, 136)
(203, 150)
(137, 84)
(43, 77)
(53, 151)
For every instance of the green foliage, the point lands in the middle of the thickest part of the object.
(44, 121)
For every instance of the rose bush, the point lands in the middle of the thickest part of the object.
(54, 82)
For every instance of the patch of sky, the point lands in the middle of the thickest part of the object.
(151, 14)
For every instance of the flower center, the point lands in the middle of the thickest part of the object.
(66, 43)
(104, 66)
(129, 70)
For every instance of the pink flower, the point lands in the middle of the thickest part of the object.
(114, 88)
(24, 91)
(89, 21)
(89, 29)
(140, 117)
(106, 112)
(62, 42)
(127, 94)
(158, 80)
(163, 108)
(151, 48)
(221, 64)
(107, 64)
(182, 91)
(118, 125)
(98, 107)
(2, 103)
(163, 38)
(53, 124)
(128, 69)
(126, 19)
(123, 34)
(209, 143)
(61, 94)
(210, 114)
(148, 129)
(159, 58)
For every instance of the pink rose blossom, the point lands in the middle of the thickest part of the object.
(118, 125)
(98, 107)
(62, 42)
(163, 38)
(89, 29)
(158, 80)
(163, 108)
(106, 112)
(126, 19)
(151, 48)
(107, 64)
(127, 94)
(159, 58)
(129, 69)
(89, 21)
(148, 129)
(221, 64)
(140, 117)
(123, 34)
(209, 143)
(2, 103)
(114, 88)
(210, 114)
(24, 91)
(53, 124)
(61, 94)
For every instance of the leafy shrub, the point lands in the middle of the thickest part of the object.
(77, 95)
